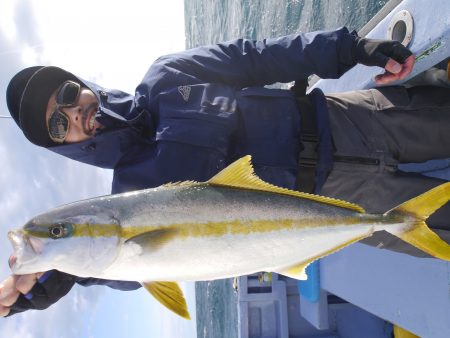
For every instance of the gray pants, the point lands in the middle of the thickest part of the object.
(375, 130)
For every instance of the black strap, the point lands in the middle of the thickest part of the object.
(309, 141)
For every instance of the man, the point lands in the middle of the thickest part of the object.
(197, 111)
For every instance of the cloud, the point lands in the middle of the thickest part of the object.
(34, 181)
(67, 318)
(7, 24)
(25, 22)
(113, 43)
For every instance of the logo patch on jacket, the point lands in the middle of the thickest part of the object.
(184, 91)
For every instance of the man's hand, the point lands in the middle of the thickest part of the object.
(395, 71)
(12, 287)
(395, 58)
(38, 291)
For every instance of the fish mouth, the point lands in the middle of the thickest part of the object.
(25, 249)
(12, 261)
(16, 240)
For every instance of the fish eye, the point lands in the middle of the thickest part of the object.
(60, 230)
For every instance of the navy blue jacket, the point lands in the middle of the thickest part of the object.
(197, 111)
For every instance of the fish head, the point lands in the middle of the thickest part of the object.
(82, 245)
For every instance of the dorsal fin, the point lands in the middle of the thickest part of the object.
(179, 184)
(240, 174)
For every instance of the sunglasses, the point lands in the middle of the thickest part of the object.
(59, 123)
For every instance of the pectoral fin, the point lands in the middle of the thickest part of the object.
(170, 295)
(152, 240)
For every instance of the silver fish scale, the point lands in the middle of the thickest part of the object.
(206, 203)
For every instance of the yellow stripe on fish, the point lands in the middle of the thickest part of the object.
(213, 229)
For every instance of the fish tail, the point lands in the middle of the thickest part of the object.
(421, 207)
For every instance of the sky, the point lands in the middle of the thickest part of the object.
(112, 43)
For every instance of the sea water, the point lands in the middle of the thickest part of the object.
(211, 21)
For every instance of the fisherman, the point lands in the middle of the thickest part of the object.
(197, 111)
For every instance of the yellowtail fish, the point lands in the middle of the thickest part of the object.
(234, 224)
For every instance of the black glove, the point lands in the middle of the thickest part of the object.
(49, 288)
(371, 52)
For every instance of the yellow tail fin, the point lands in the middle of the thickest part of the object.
(402, 333)
(421, 207)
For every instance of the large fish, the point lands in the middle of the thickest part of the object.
(234, 224)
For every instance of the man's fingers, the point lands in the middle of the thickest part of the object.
(13, 286)
(25, 283)
(402, 69)
(393, 66)
(4, 311)
(390, 76)
(407, 66)
(385, 78)
(8, 292)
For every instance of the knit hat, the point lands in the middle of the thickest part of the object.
(27, 97)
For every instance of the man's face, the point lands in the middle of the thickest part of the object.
(81, 115)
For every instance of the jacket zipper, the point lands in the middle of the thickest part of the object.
(357, 160)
